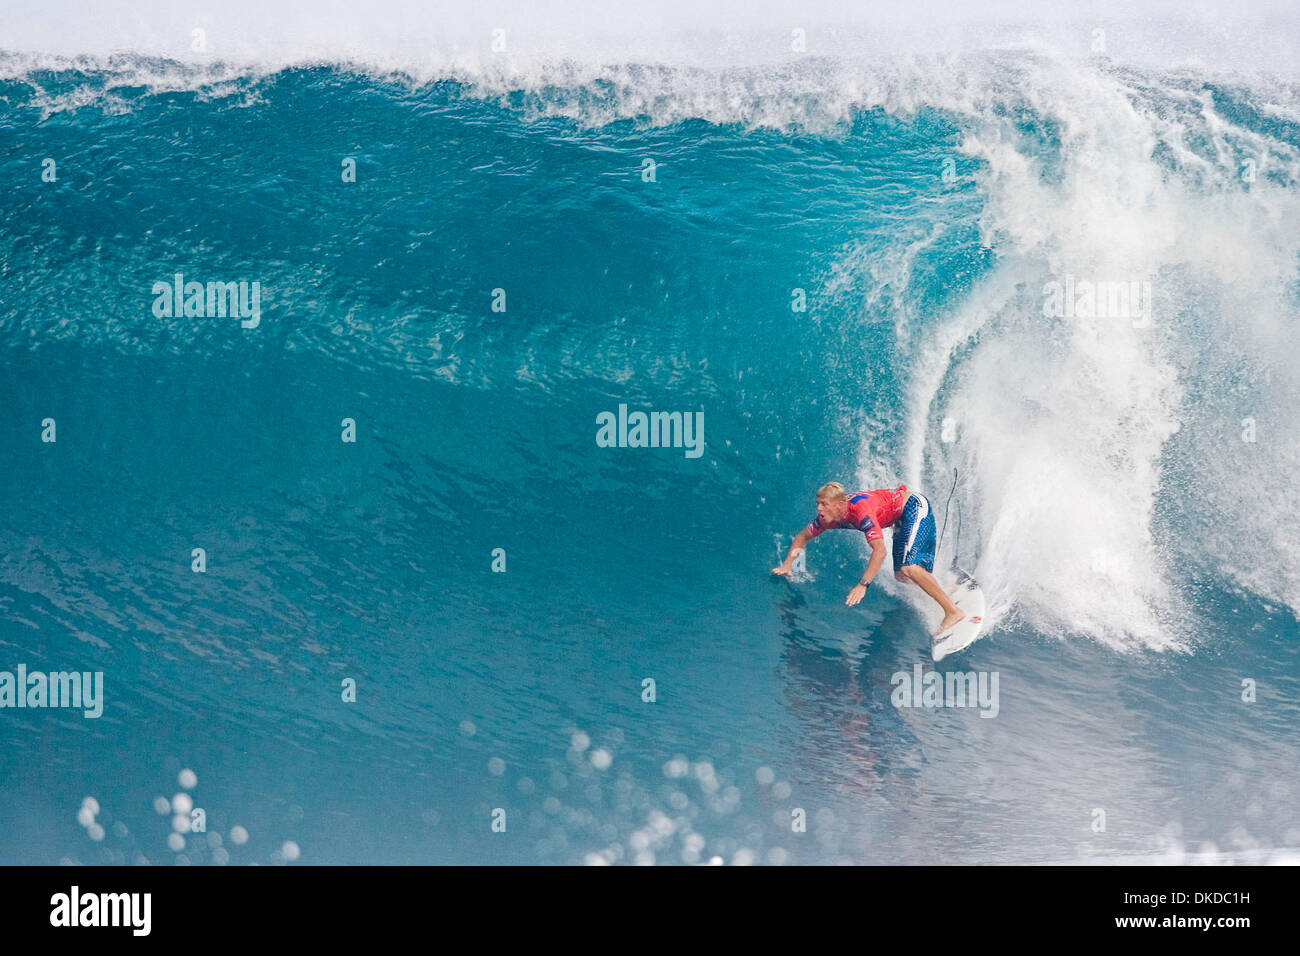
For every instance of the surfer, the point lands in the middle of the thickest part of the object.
(869, 511)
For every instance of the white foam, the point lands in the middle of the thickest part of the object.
(415, 34)
(759, 62)
(1066, 424)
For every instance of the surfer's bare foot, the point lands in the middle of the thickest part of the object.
(956, 617)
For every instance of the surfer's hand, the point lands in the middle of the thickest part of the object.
(856, 595)
(782, 569)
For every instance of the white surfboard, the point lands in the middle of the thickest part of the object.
(966, 594)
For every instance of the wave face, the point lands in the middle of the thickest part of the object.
(1073, 280)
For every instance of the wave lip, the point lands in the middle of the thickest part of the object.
(472, 37)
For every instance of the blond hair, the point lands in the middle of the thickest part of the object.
(832, 491)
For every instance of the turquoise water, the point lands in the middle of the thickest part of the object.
(1140, 557)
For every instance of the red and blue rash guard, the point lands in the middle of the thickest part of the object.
(869, 511)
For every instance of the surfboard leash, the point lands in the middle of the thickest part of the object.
(945, 522)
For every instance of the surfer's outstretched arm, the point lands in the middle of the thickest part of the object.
(786, 566)
(877, 559)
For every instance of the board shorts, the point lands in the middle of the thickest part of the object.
(914, 534)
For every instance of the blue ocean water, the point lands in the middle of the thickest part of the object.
(843, 268)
